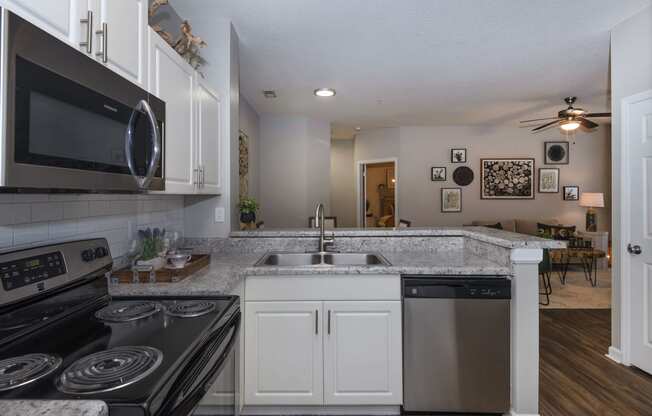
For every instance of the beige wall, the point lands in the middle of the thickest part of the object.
(419, 148)
(342, 183)
(631, 73)
(250, 125)
(294, 163)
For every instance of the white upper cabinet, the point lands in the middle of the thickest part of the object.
(208, 137)
(121, 37)
(362, 353)
(172, 80)
(55, 17)
(283, 353)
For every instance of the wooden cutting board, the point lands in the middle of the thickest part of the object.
(197, 262)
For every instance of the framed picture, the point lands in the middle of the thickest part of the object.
(571, 193)
(438, 174)
(458, 155)
(451, 199)
(507, 178)
(548, 180)
(556, 153)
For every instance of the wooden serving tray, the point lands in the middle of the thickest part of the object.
(165, 275)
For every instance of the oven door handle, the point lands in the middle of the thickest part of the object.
(155, 138)
(192, 398)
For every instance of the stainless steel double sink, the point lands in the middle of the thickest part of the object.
(322, 259)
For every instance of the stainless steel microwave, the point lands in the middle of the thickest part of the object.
(71, 123)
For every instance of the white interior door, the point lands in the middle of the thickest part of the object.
(283, 353)
(355, 374)
(638, 126)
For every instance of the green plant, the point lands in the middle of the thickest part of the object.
(152, 242)
(248, 206)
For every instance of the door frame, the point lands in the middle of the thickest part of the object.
(359, 164)
(622, 235)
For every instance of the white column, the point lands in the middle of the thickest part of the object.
(525, 331)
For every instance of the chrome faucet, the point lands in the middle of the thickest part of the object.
(324, 242)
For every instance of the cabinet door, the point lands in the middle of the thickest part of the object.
(171, 80)
(208, 137)
(363, 353)
(283, 353)
(125, 38)
(55, 17)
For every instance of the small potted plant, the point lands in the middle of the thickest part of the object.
(248, 208)
(153, 247)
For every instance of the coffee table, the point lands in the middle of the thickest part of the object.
(588, 258)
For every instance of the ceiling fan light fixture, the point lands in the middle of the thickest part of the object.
(569, 125)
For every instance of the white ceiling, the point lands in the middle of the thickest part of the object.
(423, 62)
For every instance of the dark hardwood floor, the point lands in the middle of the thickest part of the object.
(576, 378)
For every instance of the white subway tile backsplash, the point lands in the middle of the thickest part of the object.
(77, 209)
(47, 211)
(34, 219)
(31, 233)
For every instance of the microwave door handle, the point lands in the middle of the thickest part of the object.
(142, 107)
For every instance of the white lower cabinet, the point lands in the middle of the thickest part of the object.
(323, 353)
(283, 353)
(362, 353)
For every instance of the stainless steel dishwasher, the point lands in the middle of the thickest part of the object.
(456, 345)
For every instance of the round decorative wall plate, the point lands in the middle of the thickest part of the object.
(463, 176)
(556, 153)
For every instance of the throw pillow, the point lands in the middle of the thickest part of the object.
(556, 231)
(497, 226)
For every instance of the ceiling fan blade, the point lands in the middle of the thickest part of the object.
(539, 119)
(546, 125)
(597, 115)
(586, 123)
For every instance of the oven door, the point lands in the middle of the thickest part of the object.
(73, 124)
(213, 364)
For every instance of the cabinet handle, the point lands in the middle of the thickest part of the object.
(105, 41)
(316, 321)
(196, 177)
(329, 322)
(201, 178)
(89, 32)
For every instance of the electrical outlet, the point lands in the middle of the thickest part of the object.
(219, 214)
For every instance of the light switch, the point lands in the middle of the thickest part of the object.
(219, 214)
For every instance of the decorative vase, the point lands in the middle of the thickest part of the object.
(247, 217)
(157, 263)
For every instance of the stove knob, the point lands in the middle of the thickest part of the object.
(88, 255)
(101, 252)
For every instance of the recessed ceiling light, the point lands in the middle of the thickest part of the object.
(324, 92)
(358, 128)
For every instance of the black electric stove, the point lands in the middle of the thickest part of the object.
(63, 337)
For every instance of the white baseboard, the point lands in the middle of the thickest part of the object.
(615, 354)
(513, 413)
(321, 410)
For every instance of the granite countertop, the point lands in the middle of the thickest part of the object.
(226, 270)
(501, 238)
(53, 408)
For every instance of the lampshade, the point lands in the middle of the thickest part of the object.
(592, 200)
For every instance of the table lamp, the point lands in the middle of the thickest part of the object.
(592, 200)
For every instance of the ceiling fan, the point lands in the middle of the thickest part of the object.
(570, 118)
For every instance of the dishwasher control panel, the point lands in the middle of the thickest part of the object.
(456, 287)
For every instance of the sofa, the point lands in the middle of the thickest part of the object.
(518, 226)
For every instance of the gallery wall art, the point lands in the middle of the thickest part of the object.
(507, 178)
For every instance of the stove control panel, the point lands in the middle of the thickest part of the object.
(34, 271)
(23, 272)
